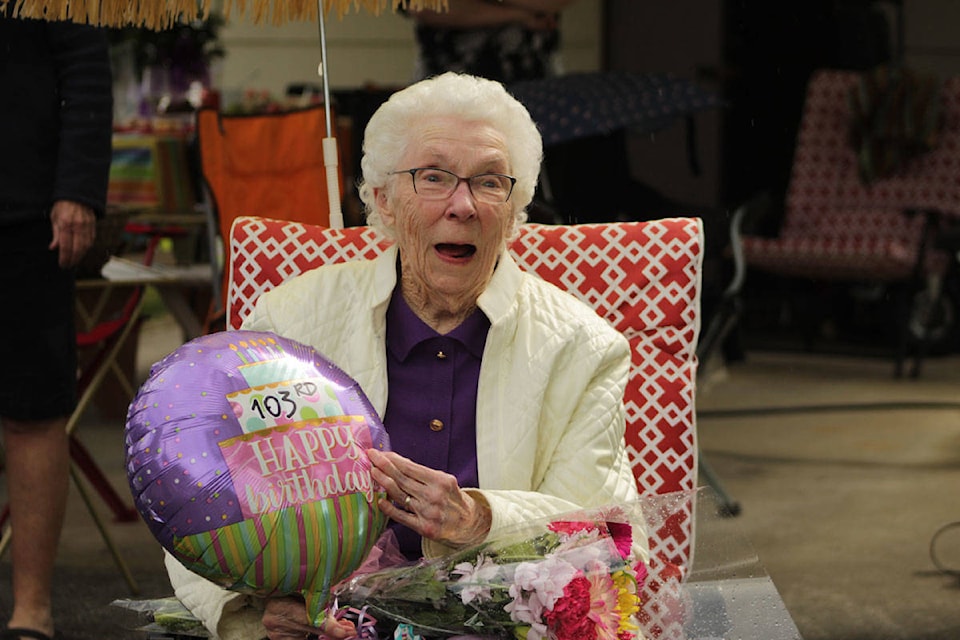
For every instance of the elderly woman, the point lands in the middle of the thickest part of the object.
(502, 395)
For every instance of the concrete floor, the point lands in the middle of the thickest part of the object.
(839, 500)
(844, 475)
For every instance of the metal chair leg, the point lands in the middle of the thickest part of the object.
(712, 337)
(728, 506)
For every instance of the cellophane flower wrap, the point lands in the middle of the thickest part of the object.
(576, 576)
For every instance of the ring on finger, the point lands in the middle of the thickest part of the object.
(406, 502)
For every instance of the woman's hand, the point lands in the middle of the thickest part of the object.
(429, 501)
(74, 230)
(286, 619)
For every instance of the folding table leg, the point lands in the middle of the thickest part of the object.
(84, 462)
(94, 384)
(104, 533)
(78, 452)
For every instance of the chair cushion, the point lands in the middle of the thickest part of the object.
(858, 244)
(643, 277)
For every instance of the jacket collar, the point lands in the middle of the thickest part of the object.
(500, 296)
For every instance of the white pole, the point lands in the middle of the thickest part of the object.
(330, 156)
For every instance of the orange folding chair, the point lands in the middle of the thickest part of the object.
(263, 164)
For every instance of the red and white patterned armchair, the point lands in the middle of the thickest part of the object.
(836, 227)
(643, 277)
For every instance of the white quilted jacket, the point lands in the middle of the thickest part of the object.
(550, 415)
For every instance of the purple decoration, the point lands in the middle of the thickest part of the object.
(206, 394)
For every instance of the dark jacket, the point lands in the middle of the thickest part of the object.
(56, 113)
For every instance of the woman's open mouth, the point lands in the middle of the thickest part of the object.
(458, 251)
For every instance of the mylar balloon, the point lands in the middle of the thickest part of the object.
(246, 455)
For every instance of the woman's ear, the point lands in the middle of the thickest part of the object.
(383, 205)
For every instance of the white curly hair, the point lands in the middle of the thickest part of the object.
(467, 97)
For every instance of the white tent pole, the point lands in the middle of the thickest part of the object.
(330, 156)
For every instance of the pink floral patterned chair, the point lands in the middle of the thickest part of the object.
(644, 277)
(836, 228)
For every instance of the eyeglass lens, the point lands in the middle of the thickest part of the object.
(440, 183)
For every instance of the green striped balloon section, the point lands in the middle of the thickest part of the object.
(305, 549)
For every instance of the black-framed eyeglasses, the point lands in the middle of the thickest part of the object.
(431, 183)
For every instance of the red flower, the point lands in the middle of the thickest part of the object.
(622, 535)
(571, 527)
(568, 620)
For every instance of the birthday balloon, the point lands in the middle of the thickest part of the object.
(246, 456)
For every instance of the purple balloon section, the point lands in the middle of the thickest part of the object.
(189, 406)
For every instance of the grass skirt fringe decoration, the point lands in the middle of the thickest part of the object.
(159, 15)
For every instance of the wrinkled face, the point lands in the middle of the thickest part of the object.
(448, 246)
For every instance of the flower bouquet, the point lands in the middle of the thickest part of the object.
(577, 576)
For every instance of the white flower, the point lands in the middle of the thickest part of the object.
(475, 580)
(527, 611)
(582, 555)
(546, 578)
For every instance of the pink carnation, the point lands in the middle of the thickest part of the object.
(568, 619)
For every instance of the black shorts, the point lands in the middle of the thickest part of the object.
(38, 352)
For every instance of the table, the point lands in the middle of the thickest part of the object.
(748, 608)
(171, 282)
(729, 593)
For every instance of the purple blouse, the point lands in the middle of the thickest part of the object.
(431, 413)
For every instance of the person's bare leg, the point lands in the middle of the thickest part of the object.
(38, 472)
